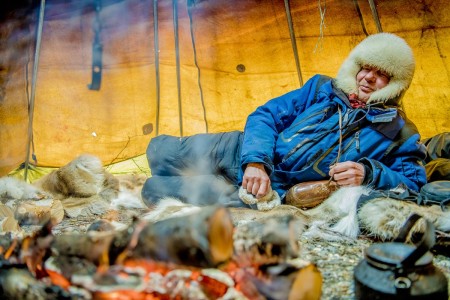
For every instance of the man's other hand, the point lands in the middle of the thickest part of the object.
(348, 173)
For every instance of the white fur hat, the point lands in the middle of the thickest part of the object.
(387, 52)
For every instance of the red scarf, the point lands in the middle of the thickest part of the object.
(355, 102)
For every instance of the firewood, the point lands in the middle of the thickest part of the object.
(292, 280)
(202, 239)
(92, 245)
(307, 284)
(271, 239)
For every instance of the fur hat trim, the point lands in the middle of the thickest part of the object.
(387, 52)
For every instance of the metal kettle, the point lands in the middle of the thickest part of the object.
(396, 270)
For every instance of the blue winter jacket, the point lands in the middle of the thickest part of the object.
(296, 136)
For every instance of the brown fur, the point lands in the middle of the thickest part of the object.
(336, 218)
(383, 217)
(82, 177)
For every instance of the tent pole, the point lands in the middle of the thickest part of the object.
(373, 8)
(360, 16)
(156, 46)
(293, 41)
(194, 48)
(177, 57)
(33, 86)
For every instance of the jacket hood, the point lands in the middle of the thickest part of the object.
(390, 54)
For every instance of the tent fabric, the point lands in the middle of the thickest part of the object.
(233, 56)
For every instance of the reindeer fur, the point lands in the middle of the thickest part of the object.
(336, 219)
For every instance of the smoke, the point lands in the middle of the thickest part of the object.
(16, 38)
(201, 169)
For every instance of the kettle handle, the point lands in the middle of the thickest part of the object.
(426, 243)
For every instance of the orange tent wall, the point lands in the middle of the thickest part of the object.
(243, 57)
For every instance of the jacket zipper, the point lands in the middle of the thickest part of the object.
(357, 141)
(354, 139)
(316, 164)
(286, 140)
(293, 150)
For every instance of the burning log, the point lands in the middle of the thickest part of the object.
(202, 239)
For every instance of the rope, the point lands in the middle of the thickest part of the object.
(157, 78)
(33, 86)
(293, 41)
(177, 57)
(373, 8)
(322, 25)
(198, 68)
(338, 158)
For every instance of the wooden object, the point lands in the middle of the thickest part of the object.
(201, 239)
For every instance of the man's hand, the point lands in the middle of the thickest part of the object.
(348, 173)
(255, 180)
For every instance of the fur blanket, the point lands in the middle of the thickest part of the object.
(337, 218)
(82, 188)
(85, 188)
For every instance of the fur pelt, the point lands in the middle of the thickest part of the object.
(13, 188)
(83, 186)
(383, 217)
(86, 188)
(337, 215)
(337, 218)
(82, 177)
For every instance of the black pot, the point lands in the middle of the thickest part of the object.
(396, 270)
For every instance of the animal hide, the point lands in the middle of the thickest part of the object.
(383, 217)
(13, 188)
(83, 187)
(337, 218)
(380, 218)
(82, 177)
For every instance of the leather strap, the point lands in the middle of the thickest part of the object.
(97, 50)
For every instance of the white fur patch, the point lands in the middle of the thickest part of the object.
(269, 201)
(126, 199)
(13, 188)
(168, 208)
(336, 214)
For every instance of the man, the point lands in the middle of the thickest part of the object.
(350, 128)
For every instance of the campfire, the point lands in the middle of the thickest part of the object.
(201, 255)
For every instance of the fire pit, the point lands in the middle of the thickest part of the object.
(201, 255)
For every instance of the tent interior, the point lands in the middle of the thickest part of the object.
(105, 76)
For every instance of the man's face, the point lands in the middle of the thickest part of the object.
(370, 79)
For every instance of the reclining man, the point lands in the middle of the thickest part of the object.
(350, 129)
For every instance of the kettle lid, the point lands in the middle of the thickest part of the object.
(393, 255)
